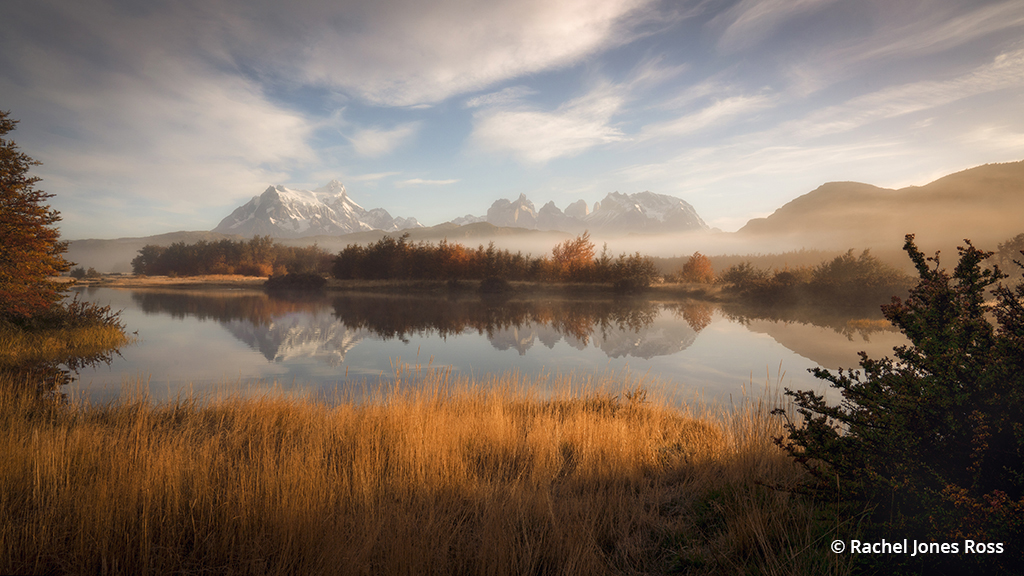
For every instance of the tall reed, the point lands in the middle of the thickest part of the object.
(438, 476)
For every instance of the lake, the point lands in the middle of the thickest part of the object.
(210, 341)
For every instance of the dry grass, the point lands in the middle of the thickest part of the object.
(20, 347)
(205, 281)
(440, 476)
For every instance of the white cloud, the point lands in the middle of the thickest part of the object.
(1005, 71)
(372, 177)
(422, 182)
(180, 139)
(504, 97)
(537, 136)
(407, 52)
(718, 113)
(121, 117)
(373, 142)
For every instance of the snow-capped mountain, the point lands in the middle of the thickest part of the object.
(281, 212)
(644, 212)
(618, 213)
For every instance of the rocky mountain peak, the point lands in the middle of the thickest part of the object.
(283, 212)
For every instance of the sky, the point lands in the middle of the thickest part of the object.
(156, 116)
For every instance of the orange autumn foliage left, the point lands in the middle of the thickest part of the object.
(30, 248)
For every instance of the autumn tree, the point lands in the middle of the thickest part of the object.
(573, 258)
(698, 269)
(30, 248)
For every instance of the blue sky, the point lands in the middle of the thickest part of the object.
(157, 116)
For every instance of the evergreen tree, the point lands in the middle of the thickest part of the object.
(931, 442)
(30, 248)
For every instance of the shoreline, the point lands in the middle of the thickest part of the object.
(710, 293)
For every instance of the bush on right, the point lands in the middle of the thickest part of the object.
(929, 445)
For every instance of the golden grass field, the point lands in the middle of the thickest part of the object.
(438, 476)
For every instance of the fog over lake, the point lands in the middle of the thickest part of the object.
(207, 341)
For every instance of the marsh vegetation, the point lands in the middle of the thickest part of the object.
(438, 475)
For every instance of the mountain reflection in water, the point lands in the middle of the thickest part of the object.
(282, 329)
(206, 337)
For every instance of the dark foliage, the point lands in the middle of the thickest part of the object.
(1009, 252)
(846, 281)
(931, 442)
(306, 282)
(258, 256)
(494, 285)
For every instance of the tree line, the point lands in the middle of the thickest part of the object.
(573, 260)
(390, 258)
(258, 256)
(847, 279)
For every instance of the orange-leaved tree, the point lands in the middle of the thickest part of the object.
(698, 269)
(574, 259)
(30, 248)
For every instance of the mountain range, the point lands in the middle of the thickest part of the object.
(282, 212)
(618, 213)
(983, 204)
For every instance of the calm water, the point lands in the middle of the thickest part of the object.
(205, 341)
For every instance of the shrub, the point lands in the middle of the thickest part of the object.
(848, 278)
(634, 272)
(745, 274)
(698, 269)
(494, 285)
(1008, 252)
(303, 282)
(573, 259)
(931, 442)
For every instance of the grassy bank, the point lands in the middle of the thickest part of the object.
(28, 347)
(447, 479)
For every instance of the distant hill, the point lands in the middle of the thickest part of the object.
(984, 204)
(116, 255)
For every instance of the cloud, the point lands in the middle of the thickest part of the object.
(538, 136)
(938, 31)
(715, 115)
(902, 36)
(372, 177)
(117, 116)
(407, 52)
(1005, 71)
(751, 21)
(422, 182)
(374, 142)
(504, 97)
